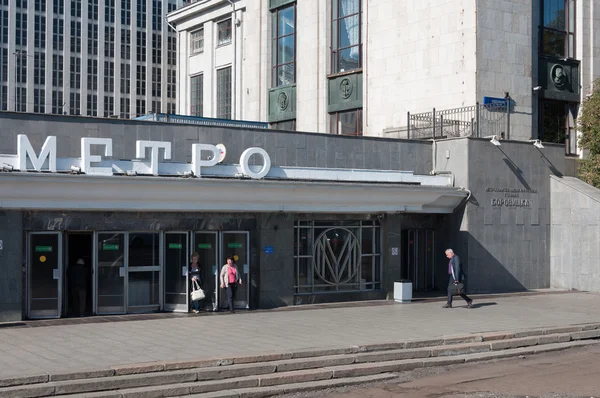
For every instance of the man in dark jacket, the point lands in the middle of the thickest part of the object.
(456, 275)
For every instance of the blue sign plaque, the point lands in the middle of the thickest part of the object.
(269, 250)
(495, 102)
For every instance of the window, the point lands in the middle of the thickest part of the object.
(21, 105)
(75, 36)
(125, 79)
(109, 106)
(92, 39)
(92, 76)
(156, 48)
(347, 122)
(125, 44)
(197, 93)
(125, 108)
(171, 83)
(39, 69)
(156, 107)
(224, 93)
(39, 100)
(57, 70)
(75, 72)
(57, 102)
(156, 15)
(109, 11)
(141, 46)
(4, 26)
(76, 8)
(58, 27)
(21, 3)
(21, 67)
(336, 256)
(171, 50)
(75, 104)
(109, 76)
(59, 7)
(141, 80)
(346, 46)
(284, 46)
(92, 105)
(21, 29)
(288, 125)
(125, 12)
(197, 41)
(93, 9)
(558, 28)
(40, 31)
(171, 108)
(224, 32)
(141, 14)
(109, 41)
(40, 5)
(140, 107)
(156, 80)
(558, 124)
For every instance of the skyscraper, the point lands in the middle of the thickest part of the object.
(111, 58)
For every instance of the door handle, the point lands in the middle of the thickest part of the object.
(56, 274)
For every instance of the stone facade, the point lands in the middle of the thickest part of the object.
(443, 55)
(575, 233)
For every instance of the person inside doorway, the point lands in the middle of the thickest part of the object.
(230, 280)
(194, 274)
(456, 277)
(78, 279)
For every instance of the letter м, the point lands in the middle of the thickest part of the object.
(24, 149)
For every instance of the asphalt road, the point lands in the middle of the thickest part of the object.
(571, 373)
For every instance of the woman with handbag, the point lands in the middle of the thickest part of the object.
(194, 274)
(230, 280)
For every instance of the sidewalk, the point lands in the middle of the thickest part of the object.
(29, 351)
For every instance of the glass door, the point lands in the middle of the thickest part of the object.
(176, 271)
(143, 271)
(205, 244)
(45, 274)
(110, 273)
(235, 244)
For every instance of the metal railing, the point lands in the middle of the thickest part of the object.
(468, 121)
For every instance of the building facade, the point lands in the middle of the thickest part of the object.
(309, 217)
(359, 68)
(106, 58)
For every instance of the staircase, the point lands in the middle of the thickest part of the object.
(299, 371)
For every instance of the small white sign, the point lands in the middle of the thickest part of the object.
(394, 251)
(246, 268)
(1, 247)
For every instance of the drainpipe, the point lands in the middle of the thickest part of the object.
(234, 66)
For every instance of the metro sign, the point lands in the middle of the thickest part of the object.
(90, 163)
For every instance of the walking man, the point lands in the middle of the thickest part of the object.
(456, 276)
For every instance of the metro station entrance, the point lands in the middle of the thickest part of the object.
(75, 274)
(418, 258)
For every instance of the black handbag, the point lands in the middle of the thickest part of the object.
(456, 289)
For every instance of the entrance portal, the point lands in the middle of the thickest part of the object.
(78, 281)
(418, 260)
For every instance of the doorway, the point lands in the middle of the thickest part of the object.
(418, 262)
(78, 274)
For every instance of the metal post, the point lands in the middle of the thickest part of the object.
(478, 132)
(408, 125)
(507, 97)
(441, 126)
(433, 122)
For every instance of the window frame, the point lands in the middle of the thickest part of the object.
(227, 114)
(569, 113)
(194, 40)
(334, 45)
(197, 108)
(335, 119)
(275, 37)
(568, 31)
(219, 30)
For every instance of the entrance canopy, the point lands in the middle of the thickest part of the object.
(57, 191)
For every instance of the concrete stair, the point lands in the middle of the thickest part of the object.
(291, 372)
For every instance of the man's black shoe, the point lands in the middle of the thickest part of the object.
(448, 305)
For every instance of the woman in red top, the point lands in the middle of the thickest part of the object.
(230, 279)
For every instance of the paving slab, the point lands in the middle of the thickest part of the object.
(76, 348)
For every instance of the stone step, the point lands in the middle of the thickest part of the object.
(331, 373)
(127, 377)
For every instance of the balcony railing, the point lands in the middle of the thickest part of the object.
(468, 121)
